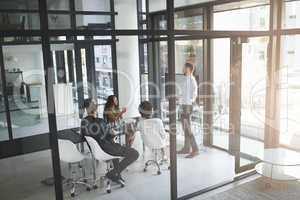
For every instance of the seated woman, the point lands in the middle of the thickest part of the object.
(112, 111)
(96, 128)
(154, 126)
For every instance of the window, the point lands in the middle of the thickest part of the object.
(290, 92)
(24, 17)
(248, 16)
(291, 15)
(26, 91)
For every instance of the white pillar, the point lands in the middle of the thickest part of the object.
(128, 58)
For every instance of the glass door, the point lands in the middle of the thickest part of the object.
(249, 61)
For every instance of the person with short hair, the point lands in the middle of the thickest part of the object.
(189, 95)
(154, 124)
(97, 128)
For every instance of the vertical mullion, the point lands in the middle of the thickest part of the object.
(235, 100)
(6, 103)
(114, 49)
(208, 78)
(92, 70)
(73, 15)
(139, 7)
(79, 79)
(70, 66)
(172, 97)
(272, 116)
(50, 80)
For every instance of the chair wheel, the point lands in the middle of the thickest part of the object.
(145, 169)
(108, 191)
(159, 173)
(122, 185)
(95, 187)
(85, 180)
(88, 189)
(73, 195)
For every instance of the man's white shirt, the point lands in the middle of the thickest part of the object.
(190, 91)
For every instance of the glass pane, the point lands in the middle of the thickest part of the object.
(192, 152)
(253, 18)
(3, 121)
(19, 21)
(93, 22)
(25, 86)
(254, 74)
(83, 57)
(290, 92)
(65, 87)
(58, 5)
(291, 14)
(59, 21)
(104, 75)
(88, 5)
(221, 85)
(17, 4)
(157, 5)
(23, 39)
(190, 19)
(144, 87)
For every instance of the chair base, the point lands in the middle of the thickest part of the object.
(105, 180)
(75, 183)
(152, 162)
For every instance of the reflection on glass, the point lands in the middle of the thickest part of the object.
(290, 92)
(3, 121)
(17, 4)
(221, 86)
(254, 72)
(191, 52)
(189, 19)
(59, 21)
(19, 21)
(86, 5)
(25, 86)
(65, 87)
(144, 87)
(104, 75)
(291, 14)
(93, 21)
(253, 18)
(58, 5)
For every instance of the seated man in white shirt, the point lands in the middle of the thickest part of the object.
(152, 129)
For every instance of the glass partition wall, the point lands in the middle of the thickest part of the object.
(49, 59)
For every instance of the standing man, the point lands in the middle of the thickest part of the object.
(189, 95)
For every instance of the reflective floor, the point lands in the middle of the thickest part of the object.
(193, 175)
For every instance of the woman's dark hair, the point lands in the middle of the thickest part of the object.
(145, 109)
(110, 102)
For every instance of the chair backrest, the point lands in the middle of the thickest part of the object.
(68, 152)
(97, 151)
(151, 130)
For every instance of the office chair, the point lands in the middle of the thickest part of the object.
(99, 155)
(153, 140)
(68, 153)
